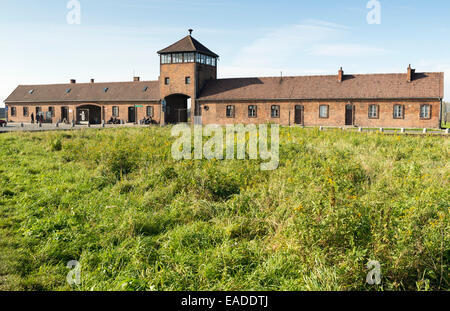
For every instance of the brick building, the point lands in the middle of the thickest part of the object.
(188, 86)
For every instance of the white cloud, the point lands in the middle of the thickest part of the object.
(284, 44)
(346, 50)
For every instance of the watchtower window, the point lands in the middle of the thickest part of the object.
(188, 57)
(166, 58)
(167, 81)
(177, 58)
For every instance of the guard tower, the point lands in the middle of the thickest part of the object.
(185, 66)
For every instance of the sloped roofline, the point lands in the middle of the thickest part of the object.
(188, 44)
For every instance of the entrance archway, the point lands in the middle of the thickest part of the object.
(177, 109)
(89, 113)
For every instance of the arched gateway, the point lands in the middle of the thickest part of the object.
(177, 108)
(89, 114)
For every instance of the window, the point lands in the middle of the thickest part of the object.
(166, 59)
(275, 111)
(177, 58)
(68, 91)
(252, 111)
(208, 60)
(324, 111)
(149, 111)
(13, 111)
(115, 111)
(188, 80)
(52, 111)
(188, 57)
(201, 58)
(31, 91)
(25, 111)
(167, 81)
(230, 111)
(38, 110)
(373, 111)
(398, 112)
(106, 89)
(145, 89)
(214, 62)
(425, 111)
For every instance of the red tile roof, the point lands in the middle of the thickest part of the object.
(188, 44)
(369, 86)
(87, 92)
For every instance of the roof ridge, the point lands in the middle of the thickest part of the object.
(328, 75)
(90, 83)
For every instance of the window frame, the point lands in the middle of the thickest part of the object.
(377, 110)
(115, 111)
(402, 112)
(177, 58)
(189, 57)
(167, 81)
(429, 112)
(166, 59)
(187, 80)
(278, 109)
(25, 111)
(327, 114)
(52, 110)
(233, 111)
(253, 108)
(151, 114)
(13, 111)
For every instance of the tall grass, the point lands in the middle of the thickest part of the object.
(137, 220)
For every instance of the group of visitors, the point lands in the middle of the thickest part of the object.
(147, 121)
(39, 118)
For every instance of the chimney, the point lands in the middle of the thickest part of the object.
(73, 81)
(340, 75)
(92, 80)
(136, 79)
(410, 74)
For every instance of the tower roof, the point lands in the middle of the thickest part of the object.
(188, 44)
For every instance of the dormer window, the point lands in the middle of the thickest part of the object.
(145, 89)
(106, 89)
(31, 91)
(68, 91)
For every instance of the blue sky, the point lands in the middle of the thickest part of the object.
(118, 38)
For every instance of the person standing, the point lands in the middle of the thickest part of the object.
(32, 118)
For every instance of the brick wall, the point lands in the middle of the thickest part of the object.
(107, 109)
(216, 113)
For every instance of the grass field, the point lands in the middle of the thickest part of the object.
(137, 220)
